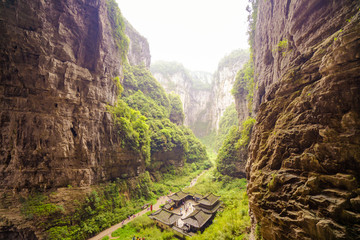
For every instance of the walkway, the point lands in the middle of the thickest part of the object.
(156, 206)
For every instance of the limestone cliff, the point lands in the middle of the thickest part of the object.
(139, 52)
(224, 79)
(304, 163)
(58, 60)
(194, 89)
(205, 96)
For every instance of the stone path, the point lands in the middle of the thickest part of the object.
(156, 206)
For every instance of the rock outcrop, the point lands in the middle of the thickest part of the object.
(58, 60)
(304, 163)
(224, 79)
(194, 89)
(139, 51)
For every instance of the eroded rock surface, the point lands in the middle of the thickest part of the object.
(139, 51)
(304, 164)
(58, 59)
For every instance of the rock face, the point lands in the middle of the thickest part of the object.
(304, 163)
(58, 59)
(224, 79)
(139, 52)
(205, 96)
(194, 89)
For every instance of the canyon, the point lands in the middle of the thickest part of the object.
(64, 64)
(205, 96)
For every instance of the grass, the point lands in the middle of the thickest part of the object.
(142, 227)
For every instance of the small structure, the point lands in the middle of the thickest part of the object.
(197, 220)
(179, 197)
(209, 203)
(164, 218)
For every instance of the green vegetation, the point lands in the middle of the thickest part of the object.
(169, 69)
(233, 57)
(177, 112)
(37, 207)
(146, 97)
(118, 26)
(253, 11)
(165, 136)
(227, 121)
(132, 128)
(196, 151)
(244, 83)
(230, 152)
(105, 238)
(282, 47)
(106, 205)
(142, 227)
(245, 132)
(233, 221)
(146, 105)
(139, 78)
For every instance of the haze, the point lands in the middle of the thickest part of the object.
(195, 33)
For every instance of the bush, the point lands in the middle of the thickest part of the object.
(176, 113)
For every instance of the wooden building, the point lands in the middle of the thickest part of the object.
(210, 203)
(165, 218)
(179, 197)
(197, 220)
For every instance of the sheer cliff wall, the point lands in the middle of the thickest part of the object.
(58, 59)
(304, 164)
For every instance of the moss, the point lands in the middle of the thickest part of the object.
(272, 185)
(258, 232)
(118, 26)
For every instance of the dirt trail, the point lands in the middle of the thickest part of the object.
(156, 206)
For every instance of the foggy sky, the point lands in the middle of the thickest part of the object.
(196, 33)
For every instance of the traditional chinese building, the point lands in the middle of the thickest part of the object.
(210, 203)
(197, 220)
(165, 218)
(204, 210)
(179, 197)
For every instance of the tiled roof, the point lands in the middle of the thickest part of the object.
(209, 199)
(212, 210)
(196, 195)
(165, 216)
(197, 218)
(169, 205)
(178, 196)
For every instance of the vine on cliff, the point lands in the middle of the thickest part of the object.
(118, 26)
